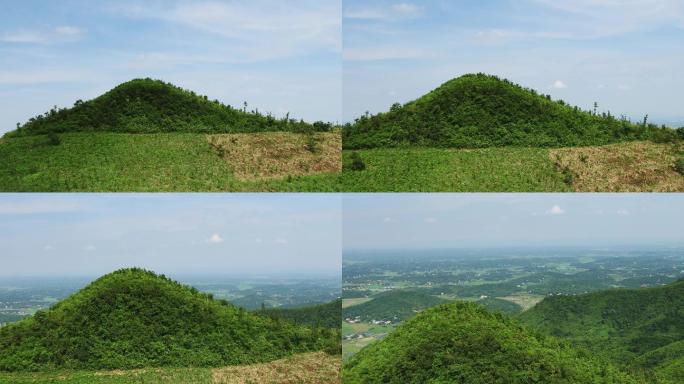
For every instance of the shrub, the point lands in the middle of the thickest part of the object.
(53, 138)
(679, 164)
(311, 143)
(355, 162)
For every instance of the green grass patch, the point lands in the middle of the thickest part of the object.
(114, 162)
(447, 170)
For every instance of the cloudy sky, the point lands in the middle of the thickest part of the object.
(626, 55)
(278, 56)
(228, 234)
(421, 221)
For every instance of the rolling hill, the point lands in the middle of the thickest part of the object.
(478, 110)
(133, 318)
(326, 315)
(634, 327)
(394, 306)
(464, 343)
(152, 106)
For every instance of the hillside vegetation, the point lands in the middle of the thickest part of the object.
(150, 106)
(633, 327)
(133, 318)
(303, 368)
(326, 315)
(464, 343)
(478, 110)
(395, 306)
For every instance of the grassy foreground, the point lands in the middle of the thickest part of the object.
(113, 162)
(307, 368)
(450, 170)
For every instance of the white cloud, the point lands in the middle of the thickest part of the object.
(215, 239)
(68, 30)
(622, 212)
(281, 241)
(559, 84)
(555, 210)
(60, 34)
(23, 37)
(430, 220)
(48, 248)
(396, 11)
(258, 240)
(89, 248)
(28, 77)
(406, 8)
(383, 53)
(387, 220)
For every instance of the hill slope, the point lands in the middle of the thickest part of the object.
(393, 305)
(149, 106)
(326, 315)
(133, 318)
(477, 110)
(643, 327)
(464, 343)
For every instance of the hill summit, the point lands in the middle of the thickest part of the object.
(134, 318)
(464, 343)
(146, 106)
(478, 110)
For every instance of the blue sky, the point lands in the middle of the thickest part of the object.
(228, 234)
(626, 55)
(278, 56)
(428, 221)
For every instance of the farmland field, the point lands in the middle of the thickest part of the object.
(116, 162)
(313, 368)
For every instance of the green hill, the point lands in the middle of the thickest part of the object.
(478, 110)
(326, 315)
(464, 343)
(133, 318)
(636, 327)
(394, 305)
(150, 106)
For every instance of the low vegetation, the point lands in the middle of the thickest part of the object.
(322, 315)
(133, 318)
(463, 342)
(278, 155)
(104, 161)
(624, 167)
(450, 170)
(305, 368)
(393, 306)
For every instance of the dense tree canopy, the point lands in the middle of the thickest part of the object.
(133, 318)
(326, 315)
(146, 105)
(638, 328)
(464, 343)
(478, 110)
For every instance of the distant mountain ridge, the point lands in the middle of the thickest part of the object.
(478, 110)
(149, 106)
(133, 318)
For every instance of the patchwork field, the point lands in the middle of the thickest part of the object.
(356, 301)
(623, 167)
(308, 368)
(160, 162)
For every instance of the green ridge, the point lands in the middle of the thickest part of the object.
(134, 318)
(395, 306)
(464, 343)
(478, 110)
(326, 315)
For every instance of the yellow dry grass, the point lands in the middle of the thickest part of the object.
(346, 303)
(306, 368)
(623, 167)
(277, 155)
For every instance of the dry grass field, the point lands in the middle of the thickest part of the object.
(277, 155)
(346, 303)
(308, 368)
(624, 167)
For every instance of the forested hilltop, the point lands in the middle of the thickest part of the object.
(636, 328)
(326, 315)
(478, 110)
(149, 106)
(464, 343)
(134, 318)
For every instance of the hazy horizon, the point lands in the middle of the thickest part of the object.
(247, 235)
(480, 220)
